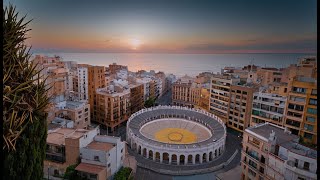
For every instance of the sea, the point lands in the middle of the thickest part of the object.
(181, 64)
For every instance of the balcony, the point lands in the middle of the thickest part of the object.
(254, 144)
(292, 167)
(55, 157)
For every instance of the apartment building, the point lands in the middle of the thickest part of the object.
(114, 68)
(146, 87)
(240, 106)
(306, 67)
(272, 152)
(301, 112)
(76, 111)
(204, 99)
(266, 76)
(63, 148)
(113, 106)
(185, 92)
(101, 158)
(278, 88)
(268, 107)
(96, 79)
(136, 97)
(161, 77)
(220, 94)
(80, 83)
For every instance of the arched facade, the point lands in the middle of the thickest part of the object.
(176, 154)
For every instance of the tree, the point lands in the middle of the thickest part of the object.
(24, 103)
(71, 173)
(150, 102)
(123, 173)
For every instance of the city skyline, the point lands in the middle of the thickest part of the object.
(171, 27)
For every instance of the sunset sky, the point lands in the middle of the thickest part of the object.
(176, 26)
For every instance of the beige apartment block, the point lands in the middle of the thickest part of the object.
(220, 94)
(113, 106)
(301, 111)
(116, 103)
(266, 76)
(240, 107)
(76, 111)
(272, 152)
(268, 107)
(185, 92)
(114, 68)
(136, 97)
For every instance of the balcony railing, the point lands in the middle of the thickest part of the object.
(55, 158)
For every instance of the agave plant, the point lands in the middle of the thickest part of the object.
(24, 93)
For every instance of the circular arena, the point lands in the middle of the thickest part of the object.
(176, 135)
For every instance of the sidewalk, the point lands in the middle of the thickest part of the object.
(234, 173)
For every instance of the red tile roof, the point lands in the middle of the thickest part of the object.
(90, 168)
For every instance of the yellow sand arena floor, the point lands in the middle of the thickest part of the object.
(175, 136)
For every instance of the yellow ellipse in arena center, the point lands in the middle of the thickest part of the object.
(175, 136)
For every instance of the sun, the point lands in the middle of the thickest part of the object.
(135, 43)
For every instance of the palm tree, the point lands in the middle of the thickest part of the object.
(24, 103)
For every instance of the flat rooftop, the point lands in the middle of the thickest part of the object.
(59, 135)
(90, 168)
(74, 104)
(264, 130)
(300, 149)
(101, 146)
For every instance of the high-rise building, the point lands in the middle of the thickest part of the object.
(220, 94)
(96, 80)
(301, 111)
(240, 106)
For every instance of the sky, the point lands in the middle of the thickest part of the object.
(175, 26)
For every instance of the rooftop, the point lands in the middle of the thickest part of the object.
(300, 149)
(59, 135)
(90, 168)
(74, 104)
(101, 146)
(264, 130)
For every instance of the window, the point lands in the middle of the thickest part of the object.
(261, 170)
(109, 165)
(308, 136)
(295, 107)
(312, 101)
(253, 164)
(314, 92)
(308, 127)
(251, 172)
(299, 90)
(93, 176)
(297, 99)
(306, 165)
(310, 119)
(56, 172)
(312, 111)
(293, 123)
(96, 158)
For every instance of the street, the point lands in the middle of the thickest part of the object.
(165, 99)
